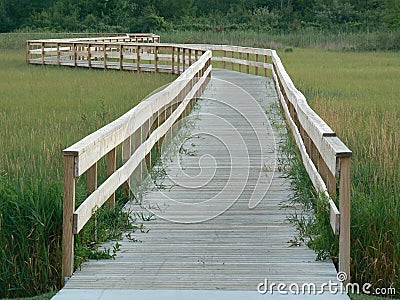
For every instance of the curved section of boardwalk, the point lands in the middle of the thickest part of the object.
(220, 224)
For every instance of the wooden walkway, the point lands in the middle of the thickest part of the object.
(219, 223)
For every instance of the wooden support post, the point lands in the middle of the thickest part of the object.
(147, 128)
(91, 184)
(344, 208)
(75, 55)
(178, 60)
(68, 212)
(331, 185)
(42, 53)
(240, 65)
(196, 55)
(183, 59)
(265, 69)
(111, 167)
(173, 60)
(58, 54)
(155, 59)
(105, 56)
(223, 62)
(89, 57)
(137, 173)
(138, 58)
(256, 61)
(121, 57)
(126, 154)
(248, 59)
(190, 57)
(27, 53)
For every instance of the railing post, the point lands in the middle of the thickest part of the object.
(138, 58)
(173, 59)
(137, 141)
(183, 59)
(42, 53)
(111, 167)
(91, 183)
(121, 57)
(58, 54)
(240, 65)
(68, 212)
(190, 57)
(89, 56)
(256, 61)
(223, 62)
(247, 66)
(344, 208)
(155, 59)
(178, 60)
(75, 54)
(105, 56)
(126, 154)
(265, 61)
(27, 51)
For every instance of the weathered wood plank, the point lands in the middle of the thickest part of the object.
(234, 251)
(104, 191)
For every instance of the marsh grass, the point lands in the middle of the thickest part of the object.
(44, 109)
(357, 94)
(303, 38)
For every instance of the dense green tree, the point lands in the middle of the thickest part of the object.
(145, 15)
(391, 15)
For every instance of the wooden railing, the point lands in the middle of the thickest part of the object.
(325, 157)
(139, 129)
(169, 58)
(50, 47)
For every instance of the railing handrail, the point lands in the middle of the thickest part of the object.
(123, 126)
(150, 36)
(325, 157)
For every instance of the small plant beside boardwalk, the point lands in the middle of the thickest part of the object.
(42, 111)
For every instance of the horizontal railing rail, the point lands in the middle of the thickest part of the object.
(325, 157)
(141, 128)
(169, 58)
(111, 38)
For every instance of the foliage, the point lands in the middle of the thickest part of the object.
(150, 15)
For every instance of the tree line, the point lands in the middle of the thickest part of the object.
(218, 15)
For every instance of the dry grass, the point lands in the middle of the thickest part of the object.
(43, 110)
(357, 94)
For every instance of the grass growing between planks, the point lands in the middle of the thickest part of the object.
(43, 110)
(357, 95)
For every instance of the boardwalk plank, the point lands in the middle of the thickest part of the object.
(233, 249)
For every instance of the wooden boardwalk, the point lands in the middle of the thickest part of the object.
(219, 221)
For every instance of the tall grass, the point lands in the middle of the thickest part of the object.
(44, 109)
(357, 94)
(304, 38)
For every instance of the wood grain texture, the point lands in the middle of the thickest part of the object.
(235, 250)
